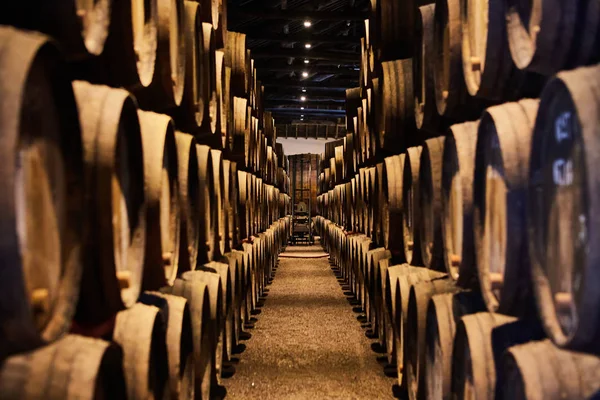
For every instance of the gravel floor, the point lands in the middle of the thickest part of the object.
(307, 343)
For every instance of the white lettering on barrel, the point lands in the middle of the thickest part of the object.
(562, 172)
(561, 126)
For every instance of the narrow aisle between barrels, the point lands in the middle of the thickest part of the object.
(307, 342)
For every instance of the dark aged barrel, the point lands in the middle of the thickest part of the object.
(42, 183)
(541, 371)
(161, 256)
(166, 89)
(563, 209)
(73, 367)
(410, 207)
(218, 198)
(398, 104)
(426, 114)
(396, 28)
(221, 135)
(130, 49)
(392, 207)
(458, 166)
(141, 332)
(414, 336)
(241, 150)
(196, 294)
(189, 192)
(80, 27)
(208, 217)
(353, 101)
(443, 312)
(207, 86)
(116, 202)
(501, 181)
(228, 279)
(230, 208)
(180, 342)
(430, 203)
(236, 58)
(451, 94)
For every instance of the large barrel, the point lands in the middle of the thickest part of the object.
(391, 222)
(218, 199)
(116, 202)
(228, 279)
(395, 23)
(161, 255)
(141, 332)
(458, 166)
(430, 203)
(236, 58)
(410, 207)
(540, 371)
(42, 198)
(207, 85)
(230, 205)
(501, 181)
(189, 192)
(397, 104)
(73, 367)
(220, 139)
(563, 209)
(207, 243)
(241, 139)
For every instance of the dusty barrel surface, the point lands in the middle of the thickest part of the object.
(42, 193)
(207, 241)
(141, 332)
(71, 368)
(114, 170)
(163, 219)
(410, 206)
(562, 209)
(397, 104)
(539, 370)
(457, 202)
(500, 185)
(430, 203)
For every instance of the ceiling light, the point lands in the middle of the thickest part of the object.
(306, 61)
(307, 23)
(302, 108)
(302, 98)
(303, 90)
(308, 45)
(305, 74)
(302, 115)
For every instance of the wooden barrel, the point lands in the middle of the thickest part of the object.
(207, 240)
(426, 114)
(241, 134)
(114, 171)
(562, 207)
(141, 332)
(397, 104)
(500, 184)
(161, 255)
(372, 287)
(73, 367)
(414, 337)
(396, 28)
(540, 370)
(166, 89)
(457, 202)
(197, 295)
(236, 58)
(43, 193)
(221, 114)
(80, 27)
(236, 262)
(228, 277)
(443, 312)
(411, 215)
(218, 199)
(230, 208)
(130, 49)
(353, 101)
(451, 95)
(180, 342)
(391, 209)
(189, 192)
(208, 84)
(473, 365)
(430, 203)
(212, 279)
(243, 205)
(540, 40)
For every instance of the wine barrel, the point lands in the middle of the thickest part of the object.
(161, 255)
(42, 193)
(130, 50)
(114, 169)
(443, 312)
(414, 337)
(411, 215)
(218, 199)
(166, 89)
(430, 203)
(141, 332)
(207, 240)
(458, 167)
(189, 192)
(353, 101)
(197, 295)
(398, 120)
(396, 28)
(451, 95)
(236, 58)
(180, 342)
(228, 277)
(230, 208)
(238, 286)
(241, 149)
(221, 133)
(500, 184)
(540, 371)
(73, 367)
(80, 27)
(391, 209)
(562, 207)
(212, 279)
(208, 87)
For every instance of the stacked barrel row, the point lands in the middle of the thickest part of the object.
(464, 233)
(137, 240)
